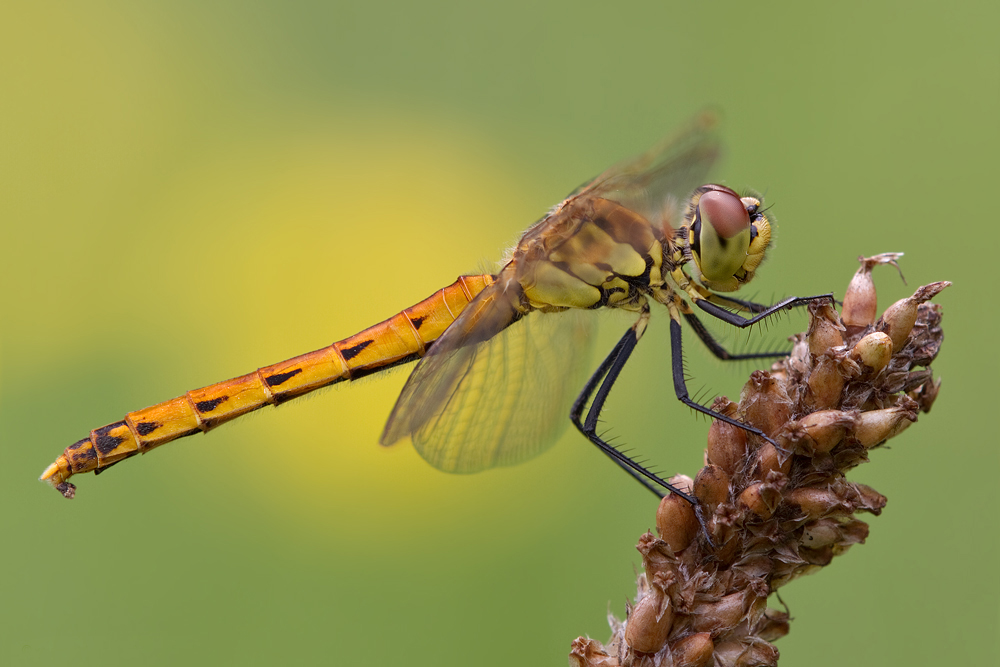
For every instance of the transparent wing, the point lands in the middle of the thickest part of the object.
(486, 399)
(657, 182)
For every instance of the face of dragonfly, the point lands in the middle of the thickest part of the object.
(727, 236)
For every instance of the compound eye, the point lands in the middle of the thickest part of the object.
(726, 213)
(726, 237)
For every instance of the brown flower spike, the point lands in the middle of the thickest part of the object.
(774, 514)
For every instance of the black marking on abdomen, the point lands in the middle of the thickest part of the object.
(301, 391)
(79, 454)
(351, 352)
(104, 442)
(145, 428)
(279, 378)
(362, 372)
(78, 445)
(208, 406)
(417, 321)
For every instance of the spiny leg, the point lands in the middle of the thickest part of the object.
(729, 317)
(713, 345)
(749, 306)
(680, 384)
(677, 306)
(605, 376)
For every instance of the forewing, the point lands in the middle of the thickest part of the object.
(479, 401)
(656, 183)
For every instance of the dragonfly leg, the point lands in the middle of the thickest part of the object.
(713, 345)
(602, 380)
(680, 385)
(749, 306)
(715, 310)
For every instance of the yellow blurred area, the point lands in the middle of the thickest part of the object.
(317, 236)
(259, 242)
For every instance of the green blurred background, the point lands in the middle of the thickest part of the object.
(191, 190)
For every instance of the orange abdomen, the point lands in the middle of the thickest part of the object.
(401, 338)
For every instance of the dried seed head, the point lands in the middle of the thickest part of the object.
(825, 329)
(649, 623)
(874, 351)
(693, 651)
(765, 403)
(793, 509)
(711, 487)
(676, 521)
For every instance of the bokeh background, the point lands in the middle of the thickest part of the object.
(191, 190)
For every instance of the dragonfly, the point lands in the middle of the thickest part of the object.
(499, 354)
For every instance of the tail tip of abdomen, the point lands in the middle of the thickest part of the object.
(56, 475)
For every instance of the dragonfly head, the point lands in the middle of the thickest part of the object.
(727, 236)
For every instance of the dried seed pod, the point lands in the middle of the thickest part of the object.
(898, 319)
(693, 651)
(853, 532)
(825, 330)
(760, 498)
(860, 301)
(746, 653)
(765, 403)
(874, 351)
(821, 533)
(682, 483)
(826, 429)
(657, 557)
(774, 625)
(826, 382)
(720, 614)
(649, 623)
(676, 521)
(867, 499)
(727, 444)
(925, 395)
(769, 459)
(816, 502)
(711, 486)
(874, 427)
(586, 652)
